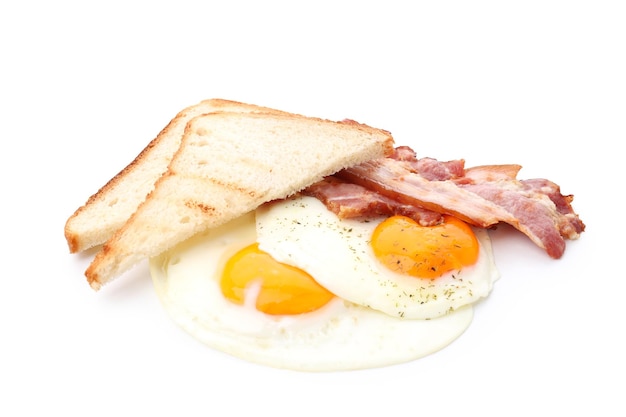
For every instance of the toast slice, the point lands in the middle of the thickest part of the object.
(108, 209)
(227, 165)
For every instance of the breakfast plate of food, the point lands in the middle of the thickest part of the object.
(312, 209)
(313, 245)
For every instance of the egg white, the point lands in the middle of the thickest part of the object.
(339, 336)
(302, 232)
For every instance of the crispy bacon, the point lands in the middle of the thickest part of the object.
(482, 196)
(348, 200)
(429, 168)
(533, 216)
(395, 179)
(485, 173)
(567, 220)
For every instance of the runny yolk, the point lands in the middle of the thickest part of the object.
(282, 289)
(404, 246)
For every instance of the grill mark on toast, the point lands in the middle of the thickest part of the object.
(204, 208)
(205, 186)
(236, 187)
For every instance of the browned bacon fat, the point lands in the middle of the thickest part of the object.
(349, 200)
(426, 188)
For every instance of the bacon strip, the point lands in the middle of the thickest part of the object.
(534, 218)
(486, 173)
(482, 196)
(567, 220)
(429, 168)
(348, 200)
(396, 180)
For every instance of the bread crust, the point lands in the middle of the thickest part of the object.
(201, 189)
(108, 209)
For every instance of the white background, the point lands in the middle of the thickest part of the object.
(85, 86)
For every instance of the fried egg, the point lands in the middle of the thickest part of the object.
(346, 257)
(269, 288)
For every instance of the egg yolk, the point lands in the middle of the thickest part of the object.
(282, 289)
(404, 246)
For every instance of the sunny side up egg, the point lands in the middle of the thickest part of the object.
(326, 301)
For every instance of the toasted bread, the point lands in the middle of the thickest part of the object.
(109, 208)
(227, 165)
